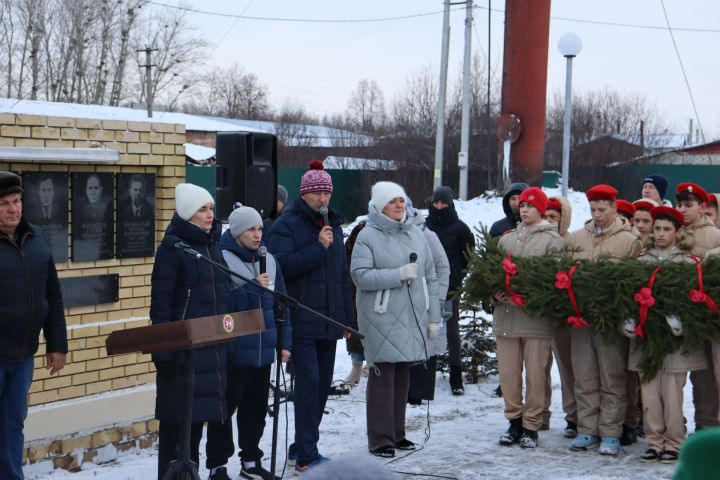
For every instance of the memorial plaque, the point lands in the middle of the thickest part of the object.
(89, 290)
(92, 216)
(45, 204)
(135, 215)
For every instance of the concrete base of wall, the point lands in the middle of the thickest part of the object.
(70, 433)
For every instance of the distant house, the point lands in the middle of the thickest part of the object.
(694, 163)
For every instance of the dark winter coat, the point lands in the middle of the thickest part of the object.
(256, 350)
(511, 218)
(184, 287)
(30, 298)
(317, 277)
(456, 239)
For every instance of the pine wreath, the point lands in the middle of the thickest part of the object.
(605, 295)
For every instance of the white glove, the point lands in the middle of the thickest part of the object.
(629, 328)
(408, 271)
(433, 329)
(675, 325)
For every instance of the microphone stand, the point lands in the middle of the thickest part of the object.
(281, 300)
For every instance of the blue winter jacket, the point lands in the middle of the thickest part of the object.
(256, 350)
(318, 277)
(184, 287)
(30, 298)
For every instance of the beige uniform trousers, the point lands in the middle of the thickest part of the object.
(705, 391)
(663, 411)
(600, 382)
(633, 414)
(563, 356)
(533, 354)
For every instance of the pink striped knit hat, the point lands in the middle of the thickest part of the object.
(316, 179)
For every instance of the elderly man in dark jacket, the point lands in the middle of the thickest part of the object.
(456, 239)
(184, 287)
(30, 301)
(312, 257)
(511, 207)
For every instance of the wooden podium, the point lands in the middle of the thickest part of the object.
(185, 335)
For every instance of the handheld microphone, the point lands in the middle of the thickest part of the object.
(413, 259)
(324, 212)
(262, 258)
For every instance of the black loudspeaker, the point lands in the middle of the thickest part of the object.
(246, 172)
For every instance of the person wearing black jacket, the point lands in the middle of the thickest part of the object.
(456, 239)
(184, 287)
(511, 207)
(30, 301)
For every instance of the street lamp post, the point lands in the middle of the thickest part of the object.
(569, 45)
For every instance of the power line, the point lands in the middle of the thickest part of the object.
(682, 67)
(619, 24)
(298, 20)
(418, 15)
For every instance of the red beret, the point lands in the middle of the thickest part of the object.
(601, 192)
(663, 211)
(713, 198)
(692, 188)
(535, 197)
(645, 204)
(554, 204)
(625, 206)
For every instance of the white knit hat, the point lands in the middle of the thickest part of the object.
(384, 192)
(242, 219)
(190, 198)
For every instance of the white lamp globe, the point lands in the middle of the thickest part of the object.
(570, 44)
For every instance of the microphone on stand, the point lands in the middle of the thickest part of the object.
(324, 212)
(187, 249)
(262, 258)
(413, 259)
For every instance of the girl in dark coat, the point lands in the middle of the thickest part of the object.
(182, 288)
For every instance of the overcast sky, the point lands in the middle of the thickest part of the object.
(320, 63)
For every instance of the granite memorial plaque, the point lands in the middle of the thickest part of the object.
(135, 215)
(92, 216)
(45, 204)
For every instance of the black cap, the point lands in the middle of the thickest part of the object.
(444, 194)
(9, 183)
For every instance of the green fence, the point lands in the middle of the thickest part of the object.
(349, 193)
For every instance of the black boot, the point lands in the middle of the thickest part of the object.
(456, 383)
(512, 436)
(628, 436)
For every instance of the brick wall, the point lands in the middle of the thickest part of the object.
(144, 148)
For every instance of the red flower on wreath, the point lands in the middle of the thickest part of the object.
(563, 281)
(510, 270)
(577, 322)
(646, 301)
(699, 295)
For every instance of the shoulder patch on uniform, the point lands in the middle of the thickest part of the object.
(509, 232)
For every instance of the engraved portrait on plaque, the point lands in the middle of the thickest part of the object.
(135, 215)
(45, 204)
(92, 216)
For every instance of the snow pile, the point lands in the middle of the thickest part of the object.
(463, 432)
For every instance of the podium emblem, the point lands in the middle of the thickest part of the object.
(228, 323)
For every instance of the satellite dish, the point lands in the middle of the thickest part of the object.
(508, 128)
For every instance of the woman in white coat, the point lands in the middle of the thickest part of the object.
(397, 308)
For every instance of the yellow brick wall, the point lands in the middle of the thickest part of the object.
(144, 148)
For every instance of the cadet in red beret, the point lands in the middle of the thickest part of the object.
(626, 209)
(600, 366)
(642, 220)
(690, 200)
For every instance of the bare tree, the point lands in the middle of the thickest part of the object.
(231, 92)
(366, 107)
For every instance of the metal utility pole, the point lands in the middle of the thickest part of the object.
(465, 125)
(488, 135)
(440, 132)
(148, 78)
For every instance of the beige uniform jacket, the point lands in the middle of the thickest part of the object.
(704, 236)
(676, 362)
(616, 241)
(537, 240)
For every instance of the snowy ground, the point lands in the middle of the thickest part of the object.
(463, 434)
